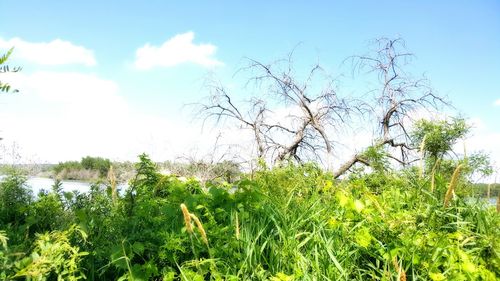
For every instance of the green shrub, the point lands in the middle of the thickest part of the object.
(15, 200)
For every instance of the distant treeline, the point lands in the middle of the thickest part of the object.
(482, 189)
(92, 168)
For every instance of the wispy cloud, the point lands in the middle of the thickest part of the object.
(55, 52)
(177, 50)
(497, 102)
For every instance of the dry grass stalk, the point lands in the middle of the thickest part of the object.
(200, 228)
(498, 203)
(237, 227)
(465, 149)
(452, 185)
(433, 182)
(433, 175)
(187, 218)
(422, 146)
(401, 272)
(112, 182)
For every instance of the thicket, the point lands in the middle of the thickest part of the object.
(88, 168)
(293, 222)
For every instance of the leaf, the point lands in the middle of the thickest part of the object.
(363, 237)
(437, 276)
(138, 248)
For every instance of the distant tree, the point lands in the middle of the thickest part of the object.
(68, 165)
(96, 163)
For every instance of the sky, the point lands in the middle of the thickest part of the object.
(116, 78)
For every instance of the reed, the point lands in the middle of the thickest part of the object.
(422, 146)
(187, 218)
(199, 225)
(451, 186)
(433, 175)
(498, 203)
(112, 182)
(401, 272)
(237, 227)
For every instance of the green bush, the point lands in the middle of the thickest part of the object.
(15, 200)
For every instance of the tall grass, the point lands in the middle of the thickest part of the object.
(289, 223)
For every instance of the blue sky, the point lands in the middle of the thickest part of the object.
(456, 44)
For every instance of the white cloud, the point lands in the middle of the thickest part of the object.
(177, 50)
(497, 102)
(59, 116)
(55, 52)
(70, 90)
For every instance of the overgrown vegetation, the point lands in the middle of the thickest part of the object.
(293, 222)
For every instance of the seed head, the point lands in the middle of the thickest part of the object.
(401, 272)
(187, 218)
(452, 185)
(200, 228)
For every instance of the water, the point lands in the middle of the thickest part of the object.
(37, 184)
(491, 201)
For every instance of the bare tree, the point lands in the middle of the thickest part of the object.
(311, 129)
(306, 132)
(398, 97)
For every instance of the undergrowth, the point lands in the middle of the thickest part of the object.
(293, 222)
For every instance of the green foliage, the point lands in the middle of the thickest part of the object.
(439, 136)
(4, 68)
(89, 168)
(46, 213)
(96, 163)
(479, 165)
(377, 157)
(15, 199)
(68, 165)
(53, 256)
(293, 222)
(147, 173)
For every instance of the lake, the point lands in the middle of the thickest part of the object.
(492, 200)
(38, 183)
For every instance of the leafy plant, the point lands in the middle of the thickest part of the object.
(4, 68)
(53, 255)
